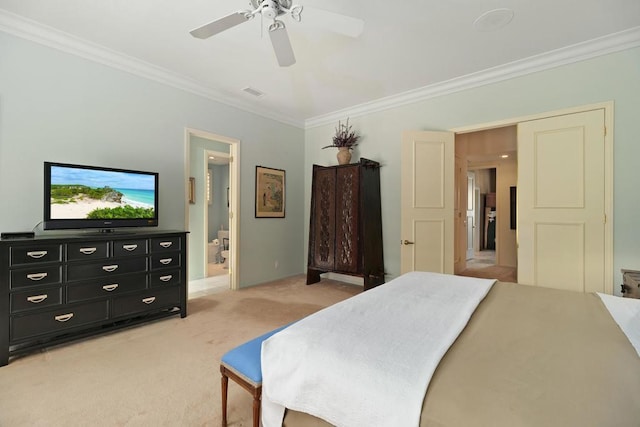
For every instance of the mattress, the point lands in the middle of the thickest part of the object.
(532, 356)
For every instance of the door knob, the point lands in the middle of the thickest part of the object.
(406, 242)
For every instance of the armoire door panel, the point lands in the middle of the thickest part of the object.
(324, 219)
(347, 190)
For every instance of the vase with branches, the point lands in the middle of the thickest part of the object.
(344, 140)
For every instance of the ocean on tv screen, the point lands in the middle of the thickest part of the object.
(101, 194)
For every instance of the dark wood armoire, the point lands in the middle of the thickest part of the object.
(345, 232)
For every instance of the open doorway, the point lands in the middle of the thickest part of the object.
(481, 241)
(217, 218)
(491, 163)
(213, 189)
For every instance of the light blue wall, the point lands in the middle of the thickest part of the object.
(58, 107)
(614, 77)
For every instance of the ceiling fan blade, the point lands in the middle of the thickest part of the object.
(219, 25)
(342, 24)
(281, 44)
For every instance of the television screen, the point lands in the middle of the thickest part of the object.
(78, 196)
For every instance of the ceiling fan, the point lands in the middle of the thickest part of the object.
(274, 9)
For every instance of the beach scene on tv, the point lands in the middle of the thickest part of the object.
(100, 194)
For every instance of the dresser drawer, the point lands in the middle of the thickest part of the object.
(130, 247)
(165, 260)
(38, 253)
(87, 250)
(36, 275)
(165, 278)
(58, 320)
(107, 288)
(106, 268)
(40, 298)
(166, 244)
(147, 301)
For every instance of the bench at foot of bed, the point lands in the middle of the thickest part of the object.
(242, 365)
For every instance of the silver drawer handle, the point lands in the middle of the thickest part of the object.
(110, 268)
(37, 276)
(166, 261)
(129, 247)
(148, 300)
(36, 254)
(166, 244)
(110, 288)
(37, 298)
(64, 317)
(88, 251)
(166, 278)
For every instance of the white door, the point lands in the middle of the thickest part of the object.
(471, 213)
(427, 202)
(561, 202)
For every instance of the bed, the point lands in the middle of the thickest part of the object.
(528, 356)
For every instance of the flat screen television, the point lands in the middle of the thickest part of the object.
(79, 196)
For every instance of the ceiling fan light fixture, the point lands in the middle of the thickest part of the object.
(270, 9)
(493, 20)
(273, 9)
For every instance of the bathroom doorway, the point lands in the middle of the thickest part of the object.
(219, 238)
(212, 180)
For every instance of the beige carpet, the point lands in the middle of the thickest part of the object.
(160, 374)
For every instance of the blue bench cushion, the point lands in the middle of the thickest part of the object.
(245, 359)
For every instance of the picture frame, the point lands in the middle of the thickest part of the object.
(270, 192)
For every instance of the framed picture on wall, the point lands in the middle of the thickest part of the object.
(270, 192)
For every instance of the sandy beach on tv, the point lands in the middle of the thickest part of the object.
(82, 207)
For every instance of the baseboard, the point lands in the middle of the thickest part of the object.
(353, 280)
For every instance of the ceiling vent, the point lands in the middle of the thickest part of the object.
(252, 91)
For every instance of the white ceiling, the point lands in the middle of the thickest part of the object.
(407, 46)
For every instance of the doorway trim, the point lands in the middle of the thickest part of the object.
(234, 194)
(608, 107)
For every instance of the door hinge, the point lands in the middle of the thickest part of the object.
(605, 131)
(230, 215)
(230, 159)
(605, 218)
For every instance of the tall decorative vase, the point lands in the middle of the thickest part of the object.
(344, 155)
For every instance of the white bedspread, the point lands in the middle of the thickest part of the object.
(367, 361)
(626, 313)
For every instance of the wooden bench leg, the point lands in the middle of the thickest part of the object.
(224, 382)
(257, 397)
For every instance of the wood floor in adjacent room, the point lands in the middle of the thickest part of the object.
(483, 265)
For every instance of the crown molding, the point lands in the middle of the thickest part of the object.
(611, 43)
(48, 36)
(56, 39)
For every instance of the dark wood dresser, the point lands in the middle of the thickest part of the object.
(59, 288)
(345, 232)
